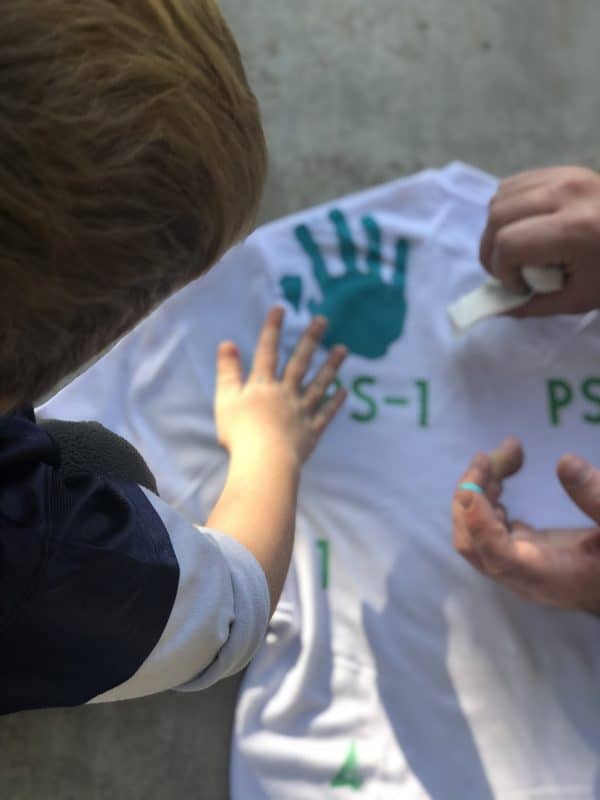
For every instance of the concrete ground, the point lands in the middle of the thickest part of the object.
(353, 93)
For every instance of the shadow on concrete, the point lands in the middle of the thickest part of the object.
(164, 746)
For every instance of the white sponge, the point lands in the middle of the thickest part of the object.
(492, 298)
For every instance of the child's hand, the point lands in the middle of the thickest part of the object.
(268, 411)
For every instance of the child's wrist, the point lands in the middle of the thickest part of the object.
(265, 453)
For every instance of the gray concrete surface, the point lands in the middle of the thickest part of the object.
(353, 93)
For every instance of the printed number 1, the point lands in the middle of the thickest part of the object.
(423, 387)
(323, 548)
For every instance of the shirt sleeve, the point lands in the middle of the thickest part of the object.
(107, 593)
(218, 619)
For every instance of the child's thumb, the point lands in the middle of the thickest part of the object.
(229, 367)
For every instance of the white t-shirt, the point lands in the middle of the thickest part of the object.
(391, 669)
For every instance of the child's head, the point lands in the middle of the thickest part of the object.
(131, 157)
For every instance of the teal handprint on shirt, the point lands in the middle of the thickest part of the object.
(365, 313)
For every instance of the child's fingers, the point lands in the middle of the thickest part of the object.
(229, 367)
(317, 388)
(264, 367)
(301, 358)
(329, 409)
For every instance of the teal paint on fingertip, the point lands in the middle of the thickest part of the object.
(471, 487)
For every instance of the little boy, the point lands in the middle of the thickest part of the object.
(131, 157)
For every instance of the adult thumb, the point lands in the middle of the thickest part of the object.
(582, 483)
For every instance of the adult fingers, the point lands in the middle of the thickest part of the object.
(582, 483)
(461, 535)
(264, 367)
(484, 536)
(529, 179)
(536, 241)
(506, 209)
(507, 459)
(479, 522)
(479, 473)
(488, 471)
(547, 305)
(317, 388)
(301, 358)
(501, 513)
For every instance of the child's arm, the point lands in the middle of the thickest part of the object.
(114, 594)
(257, 507)
(270, 425)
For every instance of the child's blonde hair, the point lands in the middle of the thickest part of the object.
(131, 157)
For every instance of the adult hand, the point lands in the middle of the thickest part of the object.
(547, 217)
(555, 567)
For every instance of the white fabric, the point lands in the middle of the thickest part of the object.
(399, 673)
(219, 617)
(492, 298)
